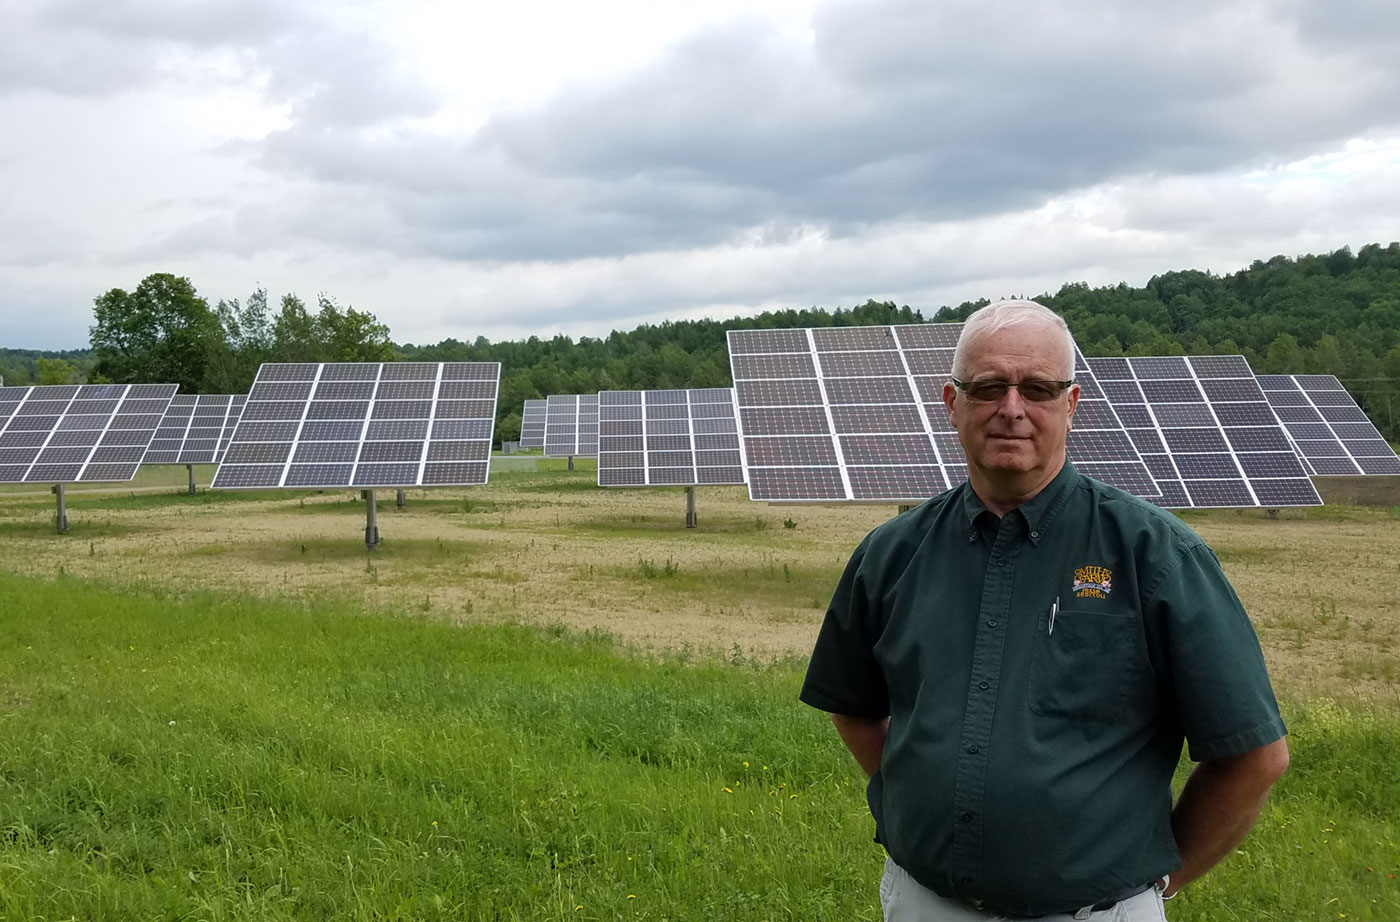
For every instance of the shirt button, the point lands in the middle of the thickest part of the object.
(1035, 534)
(984, 685)
(991, 624)
(972, 749)
(1001, 561)
(967, 817)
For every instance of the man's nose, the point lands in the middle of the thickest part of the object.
(1013, 404)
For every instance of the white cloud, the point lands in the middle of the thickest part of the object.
(464, 170)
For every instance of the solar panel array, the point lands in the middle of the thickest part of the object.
(838, 414)
(196, 429)
(71, 433)
(571, 426)
(1206, 431)
(365, 425)
(532, 423)
(668, 438)
(1330, 432)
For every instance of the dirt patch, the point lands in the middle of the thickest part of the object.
(1322, 585)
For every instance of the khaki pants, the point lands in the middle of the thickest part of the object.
(904, 899)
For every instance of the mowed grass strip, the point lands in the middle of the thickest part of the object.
(223, 758)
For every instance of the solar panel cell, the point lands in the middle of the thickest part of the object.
(1220, 366)
(771, 366)
(717, 476)
(349, 371)
(1218, 493)
(385, 475)
(787, 483)
(795, 452)
(1163, 367)
(877, 418)
(304, 453)
(1378, 466)
(860, 364)
(319, 475)
(1334, 467)
(360, 391)
(895, 483)
(936, 363)
(887, 449)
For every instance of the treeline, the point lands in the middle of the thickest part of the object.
(1337, 313)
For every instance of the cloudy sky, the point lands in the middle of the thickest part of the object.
(471, 168)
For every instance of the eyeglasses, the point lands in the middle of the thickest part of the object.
(1032, 390)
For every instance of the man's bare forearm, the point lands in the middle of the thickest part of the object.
(1218, 807)
(865, 738)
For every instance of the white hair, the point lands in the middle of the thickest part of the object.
(1003, 314)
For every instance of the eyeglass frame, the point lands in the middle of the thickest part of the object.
(966, 386)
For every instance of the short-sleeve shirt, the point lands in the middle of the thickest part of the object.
(1029, 759)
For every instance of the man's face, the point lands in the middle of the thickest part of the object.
(1013, 436)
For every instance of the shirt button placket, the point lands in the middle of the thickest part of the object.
(970, 784)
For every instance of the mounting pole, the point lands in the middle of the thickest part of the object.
(62, 518)
(690, 507)
(400, 498)
(904, 507)
(371, 522)
(571, 462)
(190, 468)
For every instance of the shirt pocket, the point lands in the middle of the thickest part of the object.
(1081, 669)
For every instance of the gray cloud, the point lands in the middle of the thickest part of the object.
(328, 75)
(900, 110)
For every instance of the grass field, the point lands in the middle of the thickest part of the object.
(539, 700)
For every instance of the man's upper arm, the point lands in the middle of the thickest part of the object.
(843, 676)
(1215, 664)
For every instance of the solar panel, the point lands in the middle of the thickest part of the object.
(1205, 429)
(196, 429)
(367, 425)
(571, 426)
(532, 422)
(856, 414)
(668, 438)
(77, 433)
(1330, 432)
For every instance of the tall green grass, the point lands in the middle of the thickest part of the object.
(220, 758)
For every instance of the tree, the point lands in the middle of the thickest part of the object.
(56, 371)
(161, 333)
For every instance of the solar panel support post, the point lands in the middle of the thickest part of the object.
(371, 522)
(904, 507)
(690, 507)
(190, 468)
(571, 462)
(61, 519)
(399, 500)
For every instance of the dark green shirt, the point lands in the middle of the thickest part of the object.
(1028, 766)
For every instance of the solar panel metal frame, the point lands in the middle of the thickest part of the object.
(571, 426)
(172, 442)
(1206, 430)
(532, 423)
(364, 425)
(855, 414)
(631, 450)
(1313, 405)
(78, 433)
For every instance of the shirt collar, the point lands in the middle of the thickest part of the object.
(1037, 512)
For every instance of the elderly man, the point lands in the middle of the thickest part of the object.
(1016, 663)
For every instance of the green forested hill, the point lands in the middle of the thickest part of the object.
(1333, 314)
(1337, 313)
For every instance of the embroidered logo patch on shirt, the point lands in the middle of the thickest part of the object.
(1092, 583)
